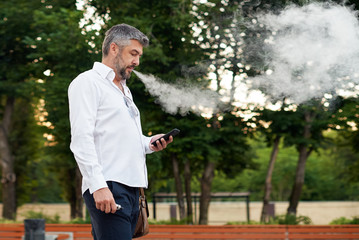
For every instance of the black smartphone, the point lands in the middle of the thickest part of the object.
(172, 133)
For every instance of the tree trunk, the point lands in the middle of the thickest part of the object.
(206, 184)
(178, 183)
(8, 179)
(268, 183)
(304, 152)
(187, 182)
(78, 203)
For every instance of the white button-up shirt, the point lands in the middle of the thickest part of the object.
(106, 133)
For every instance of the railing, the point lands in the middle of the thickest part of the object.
(196, 196)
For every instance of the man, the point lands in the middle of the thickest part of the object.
(106, 135)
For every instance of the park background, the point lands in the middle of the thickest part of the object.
(247, 147)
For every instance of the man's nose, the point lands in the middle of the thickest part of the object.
(136, 61)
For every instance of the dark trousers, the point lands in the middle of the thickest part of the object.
(120, 225)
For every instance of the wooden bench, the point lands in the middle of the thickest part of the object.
(328, 232)
(62, 231)
(216, 232)
(83, 231)
(75, 231)
(11, 231)
(187, 232)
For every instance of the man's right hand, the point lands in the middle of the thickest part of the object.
(104, 200)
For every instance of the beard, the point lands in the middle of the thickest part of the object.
(121, 68)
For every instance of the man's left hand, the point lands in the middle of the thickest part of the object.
(161, 143)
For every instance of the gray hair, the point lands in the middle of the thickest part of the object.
(121, 34)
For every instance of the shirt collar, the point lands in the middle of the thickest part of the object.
(105, 71)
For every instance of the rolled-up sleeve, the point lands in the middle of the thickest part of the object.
(84, 98)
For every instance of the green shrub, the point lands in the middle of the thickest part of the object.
(168, 222)
(40, 215)
(281, 219)
(4, 220)
(80, 221)
(291, 219)
(251, 222)
(343, 220)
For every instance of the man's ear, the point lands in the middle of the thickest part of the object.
(113, 49)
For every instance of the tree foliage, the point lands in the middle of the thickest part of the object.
(63, 51)
(20, 136)
(172, 53)
(188, 40)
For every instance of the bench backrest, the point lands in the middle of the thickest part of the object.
(284, 232)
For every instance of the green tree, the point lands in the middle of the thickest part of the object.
(166, 23)
(275, 126)
(63, 51)
(18, 97)
(347, 141)
(312, 118)
(27, 148)
(308, 136)
(172, 52)
(218, 36)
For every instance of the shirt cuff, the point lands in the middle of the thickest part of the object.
(96, 183)
(147, 141)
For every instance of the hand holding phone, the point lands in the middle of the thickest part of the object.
(166, 137)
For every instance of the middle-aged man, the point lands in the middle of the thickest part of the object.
(106, 135)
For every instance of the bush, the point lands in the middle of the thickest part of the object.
(80, 221)
(281, 220)
(41, 215)
(4, 220)
(168, 222)
(290, 219)
(343, 220)
(251, 222)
